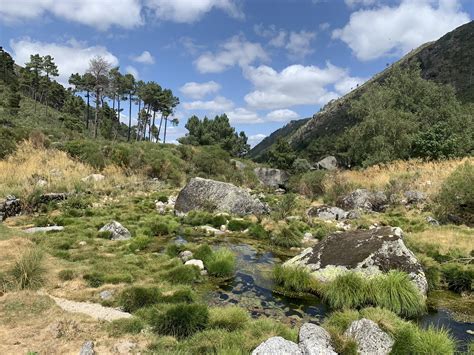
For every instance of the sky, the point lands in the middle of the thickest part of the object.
(262, 62)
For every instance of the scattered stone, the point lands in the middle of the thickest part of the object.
(124, 347)
(203, 272)
(82, 243)
(327, 213)
(206, 194)
(272, 177)
(87, 348)
(276, 346)
(185, 255)
(369, 252)
(52, 197)
(165, 207)
(43, 229)
(106, 295)
(63, 328)
(41, 183)
(223, 228)
(118, 232)
(211, 230)
(93, 178)
(315, 340)
(362, 199)
(328, 163)
(354, 214)
(414, 197)
(369, 337)
(9, 207)
(280, 191)
(432, 221)
(195, 262)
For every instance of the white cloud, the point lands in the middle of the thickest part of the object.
(99, 14)
(353, 3)
(144, 58)
(255, 139)
(129, 69)
(348, 84)
(199, 90)
(299, 44)
(294, 85)
(70, 57)
(219, 104)
(243, 115)
(189, 11)
(324, 26)
(392, 31)
(282, 115)
(236, 51)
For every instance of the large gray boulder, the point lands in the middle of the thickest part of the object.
(277, 346)
(362, 199)
(272, 177)
(369, 252)
(9, 207)
(206, 194)
(328, 213)
(370, 339)
(315, 340)
(328, 163)
(117, 231)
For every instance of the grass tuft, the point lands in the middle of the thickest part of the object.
(294, 279)
(221, 263)
(349, 290)
(28, 271)
(228, 318)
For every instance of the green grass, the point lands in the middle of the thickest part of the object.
(238, 225)
(133, 298)
(229, 318)
(349, 290)
(221, 263)
(28, 272)
(120, 327)
(287, 237)
(66, 274)
(183, 274)
(294, 279)
(203, 252)
(409, 339)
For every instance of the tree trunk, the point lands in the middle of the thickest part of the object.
(88, 111)
(164, 137)
(97, 103)
(138, 120)
(153, 125)
(159, 128)
(129, 116)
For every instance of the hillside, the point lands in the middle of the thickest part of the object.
(446, 61)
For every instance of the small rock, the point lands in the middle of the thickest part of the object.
(118, 232)
(87, 348)
(315, 340)
(362, 199)
(43, 229)
(211, 230)
(272, 177)
(327, 213)
(203, 272)
(280, 191)
(93, 178)
(369, 337)
(53, 197)
(106, 295)
(414, 197)
(308, 235)
(432, 221)
(124, 347)
(41, 183)
(185, 255)
(277, 346)
(82, 243)
(223, 228)
(238, 164)
(195, 262)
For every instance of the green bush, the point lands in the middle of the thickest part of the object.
(134, 298)
(28, 272)
(238, 225)
(183, 274)
(174, 249)
(294, 279)
(104, 235)
(181, 320)
(221, 263)
(310, 184)
(458, 278)
(139, 243)
(285, 206)
(229, 318)
(455, 201)
(287, 237)
(432, 272)
(349, 290)
(67, 274)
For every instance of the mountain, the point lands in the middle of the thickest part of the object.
(448, 60)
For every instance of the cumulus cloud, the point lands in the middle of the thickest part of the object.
(99, 14)
(282, 115)
(353, 3)
(188, 11)
(129, 69)
(236, 51)
(253, 140)
(144, 58)
(294, 85)
(71, 57)
(218, 105)
(391, 31)
(199, 90)
(243, 115)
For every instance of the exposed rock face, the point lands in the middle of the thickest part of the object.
(315, 340)
(87, 348)
(328, 163)
(277, 346)
(327, 213)
(370, 338)
(364, 200)
(369, 252)
(414, 197)
(43, 229)
(205, 194)
(118, 232)
(272, 177)
(9, 207)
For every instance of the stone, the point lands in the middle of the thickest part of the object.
(82, 243)
(124, 347)
(328, 163)
(315, 340)
(41, 183)
(118, 232)
(185, 255)
(106, 295)
(277, 346)
(87, 348)
(362, 199)
(9, 207)
(371, 340)
(195, 262)
(414, 197)
(52, 197)
(211, 230)
(280, 191)
(93, 178)
(238, 164)
(354, 214)
(206, 194)
(271, 177)
(369, 252)
(432, 221)
(43, 229)
(327, 213)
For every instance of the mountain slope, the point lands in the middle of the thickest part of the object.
(449, 60)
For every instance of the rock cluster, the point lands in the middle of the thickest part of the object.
(216, 196)
(330, 213)
(9, 207)
(52, 197)
(165, 207)
(270, 177)
(117, 231)
(362, 199)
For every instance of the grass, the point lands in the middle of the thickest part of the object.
(349, 290)
(238, 225)
(294, 279)
(409, 339)
(183, 274)
(133, 298)
(28, 271)
(287, 237)
(228, 318)
(221, 263)
(120, 327)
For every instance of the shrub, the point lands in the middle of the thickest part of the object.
(301, 166)
(238, 225)
(338, 187)
(28, 271)
(204, 253)
(218, 220)
(181, 320)
(198, 218)
(396, 292)
(349, 290)
(285, 206)
(104, 235)
(458, 278)
(258, 232)
(134, 298)
(310, 184)
(287, 237)
(455, 201)
(229, 318)
(294, 279)
(221, 263)
(66, 274)
(120, 327)
(183, 274)
(432, 272)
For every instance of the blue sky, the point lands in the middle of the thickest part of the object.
(262, 62)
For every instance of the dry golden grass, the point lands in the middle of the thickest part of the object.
(447, 238)
(20, 172)
(424, 176)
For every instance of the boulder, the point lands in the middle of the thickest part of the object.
(9, 207)
(52, 197)
(87, 348)
(369, 252)
(206, 194)
(362, 199)
(327, 213)
(43, 229)
(414, 197)
(238, 164)
(328, 163)
(118, 232)
(186, 255)
(277, 346)
(369, 337)
(315, 340)
(93, 178)
(106, 295)
(195, 262)
(432, 221)
(272, 177)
